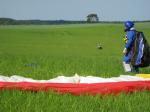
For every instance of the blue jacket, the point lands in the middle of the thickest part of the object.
(131, 35)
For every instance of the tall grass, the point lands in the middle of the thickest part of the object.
(44, 52)
(25, 101)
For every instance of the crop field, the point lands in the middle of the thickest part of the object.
(47, 51)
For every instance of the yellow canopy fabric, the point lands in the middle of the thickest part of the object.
(143, 75)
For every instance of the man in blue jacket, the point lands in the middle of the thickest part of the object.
(129, 40)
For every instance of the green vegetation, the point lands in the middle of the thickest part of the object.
(9, 21)
(44, 52)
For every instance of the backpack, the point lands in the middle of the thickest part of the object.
(140, 51)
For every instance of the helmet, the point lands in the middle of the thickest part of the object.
(128, 24)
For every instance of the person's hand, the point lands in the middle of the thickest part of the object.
(124, 51)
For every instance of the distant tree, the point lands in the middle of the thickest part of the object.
(5, 21)
(92, 18)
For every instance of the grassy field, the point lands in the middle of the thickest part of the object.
(44, 52)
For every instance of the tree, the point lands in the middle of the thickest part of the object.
(92, 18)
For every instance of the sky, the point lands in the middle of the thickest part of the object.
(107, 10)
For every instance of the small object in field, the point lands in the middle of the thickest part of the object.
(99, 46)
(31, 65)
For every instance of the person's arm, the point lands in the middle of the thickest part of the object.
(130, 36)
(130, 39)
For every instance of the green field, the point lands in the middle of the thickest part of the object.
(44, 52)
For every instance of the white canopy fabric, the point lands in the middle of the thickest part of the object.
(74, 79)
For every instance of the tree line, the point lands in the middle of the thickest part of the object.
(9, 21)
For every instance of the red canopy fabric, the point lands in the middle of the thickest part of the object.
(79, 89)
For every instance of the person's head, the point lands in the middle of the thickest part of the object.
(128, 25)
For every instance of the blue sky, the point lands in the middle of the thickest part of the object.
(107, 10)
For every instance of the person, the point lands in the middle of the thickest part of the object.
(127, 51)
